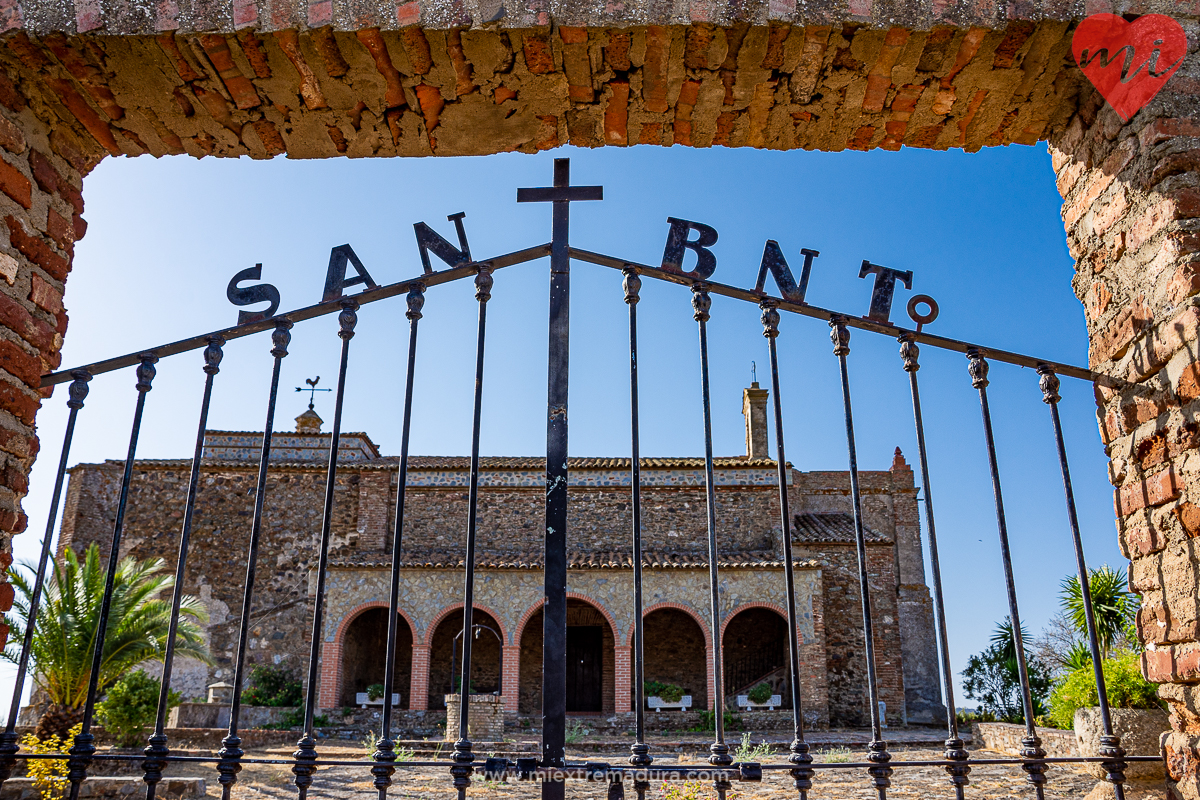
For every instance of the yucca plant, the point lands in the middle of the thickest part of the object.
(1113, 605)
(64, 636)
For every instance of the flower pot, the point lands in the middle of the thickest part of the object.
(773, 703)
(364, 700)
(1139, 729)
(658, 704)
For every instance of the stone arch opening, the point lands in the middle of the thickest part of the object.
(591, 661)
(363, 648)
(676, 652)
(754, 650)
(445, 656)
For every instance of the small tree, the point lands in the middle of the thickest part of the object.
(992, 678)
(132, 705)
(1113, 605)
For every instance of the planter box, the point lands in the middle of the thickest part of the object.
(775, 702)
(1139, 729)
(364, 700)
(658, 704)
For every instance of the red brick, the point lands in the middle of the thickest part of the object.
(1137, 410)
(539, 58)
(1189, 517)
(20, 364)
(80, 226)
(13, 522)
(240, 88)
(19, 403)
(44, 172)
(14, 317)
(616, 114)
(1143, 541)
(430, 99)
(1154, 490)
(45, 295)
(1162, 129)
(19, 444)
(651, 133)
(34, 248)
(11, 138)
(60, 230)
(654, 72)
(503, 93)
(15, 185)
(573, 35)
(9, 95)
(270, 137)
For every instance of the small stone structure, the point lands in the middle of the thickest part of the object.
(1140, 729)
(1004, 737)
(485, 720)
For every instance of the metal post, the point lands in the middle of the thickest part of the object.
(877, 750)
(1110, 744)
(639, 750)
(156, 748)
(955, 751)
(385, 747)
(231, 746)
(8, 740)
(718, 750)
(799, 754)
(1031, 745)
(85, 742)
(463, 757)
(306, 748)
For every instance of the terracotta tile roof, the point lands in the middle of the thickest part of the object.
(830, 528)
(429, 559)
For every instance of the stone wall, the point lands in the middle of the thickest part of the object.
(1006, 738)
(485, 717)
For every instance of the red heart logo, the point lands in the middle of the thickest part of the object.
(1129, 61)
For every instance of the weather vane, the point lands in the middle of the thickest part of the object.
(312, 389)
(753, 372)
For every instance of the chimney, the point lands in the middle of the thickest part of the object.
(309, 422)
(754, 409)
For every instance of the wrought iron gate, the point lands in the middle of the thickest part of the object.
(552, 770)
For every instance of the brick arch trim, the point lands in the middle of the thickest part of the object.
(778, 609)
(691, 612)
(450, 609)
(339, 635)
(591, 601)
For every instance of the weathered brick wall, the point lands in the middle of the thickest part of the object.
(1132, 215)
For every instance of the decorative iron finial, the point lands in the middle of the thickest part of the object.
(416, 301)
(347, 319)
(281, 337)
(213, 354)
(1049, 384)
(769, 319)
(483, 283)
(146, 371)
(840, 336)
(701, 302)
(632, 285)
(978, 368)
(909, 351)
(78, 390)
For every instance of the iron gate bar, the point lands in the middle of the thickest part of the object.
(877, 749)
(639, 750)
(306, 748)
(955, 751)
(156, 747)
(861, 323)
(306, 313)
(385, 747)
(718, 750)
(8, 740)
(800, 756)
(85, 743)
(462, 746)
(1031, 745)
(1110, 745)
(231, 746)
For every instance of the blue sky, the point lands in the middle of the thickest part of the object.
(981, 232)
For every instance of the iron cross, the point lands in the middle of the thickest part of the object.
(554, 666)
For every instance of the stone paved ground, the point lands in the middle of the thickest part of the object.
(261, 782)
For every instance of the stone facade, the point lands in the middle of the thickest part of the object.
(508, 593)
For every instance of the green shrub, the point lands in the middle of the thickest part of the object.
(760, 694)
(669, 692)
(375, 691)
(277, 687)
(708, 721)
(1123, 680)
(130, 706)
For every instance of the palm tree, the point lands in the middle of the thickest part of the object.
(64, 638)
(1113, 605)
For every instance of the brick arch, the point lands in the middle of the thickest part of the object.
(427, 639)
(583, 598)
(330, 686)
(691, 612)
(778, 609)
